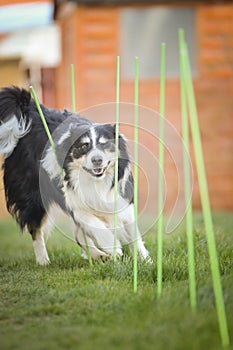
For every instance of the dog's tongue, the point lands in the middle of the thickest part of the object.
(98, 171)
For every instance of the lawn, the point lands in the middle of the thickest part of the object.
(71, 305)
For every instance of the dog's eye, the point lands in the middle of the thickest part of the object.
(81, 150)
(84, 147)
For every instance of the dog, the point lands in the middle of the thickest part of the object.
(76, 174)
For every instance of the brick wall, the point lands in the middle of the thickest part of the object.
(215, 32)
(89, 41)
(214, 96)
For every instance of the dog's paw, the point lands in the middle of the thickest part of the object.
(84, 255)
(119, 254)
(43, 261)
(148, 260)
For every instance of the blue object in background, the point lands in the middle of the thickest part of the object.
(21, 16)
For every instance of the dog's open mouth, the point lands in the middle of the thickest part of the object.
(97, 172)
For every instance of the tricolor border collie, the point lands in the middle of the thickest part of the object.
(78, 177)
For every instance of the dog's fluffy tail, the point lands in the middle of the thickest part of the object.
(14, 119)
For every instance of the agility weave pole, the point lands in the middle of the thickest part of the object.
(43, 119)
(187, 184)
(72, 79)
(203, 185)
(135, 261)
(116, 155)
(73, 110)
(161, 170)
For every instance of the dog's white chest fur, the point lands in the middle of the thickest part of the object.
(90, 194)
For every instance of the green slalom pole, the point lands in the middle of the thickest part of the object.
(72, 88)
(116, 154)
(136, 175)
(74, 110)
(43, 119)
(202, 180)
(187, 181)
(161, 166)
(72, 79)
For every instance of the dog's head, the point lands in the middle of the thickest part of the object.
(91, 149)
(94, 151)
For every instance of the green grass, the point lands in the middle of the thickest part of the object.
(71, 305)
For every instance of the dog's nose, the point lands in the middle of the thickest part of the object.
(97, 160)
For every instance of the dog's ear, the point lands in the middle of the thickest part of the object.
(113, 126)
(111, 129)
(122, 138)
(123, 145)
(77, 130)
(62, 150)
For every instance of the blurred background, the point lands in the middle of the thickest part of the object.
(40, 39)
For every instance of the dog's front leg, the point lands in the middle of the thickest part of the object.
(129, 224)
(99, 237)
(86, 243)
